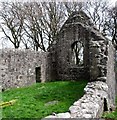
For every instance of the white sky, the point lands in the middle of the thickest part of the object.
(2, 44)
(113, 2)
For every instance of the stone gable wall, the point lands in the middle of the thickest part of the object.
(66, 69)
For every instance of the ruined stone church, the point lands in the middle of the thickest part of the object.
(80, 52)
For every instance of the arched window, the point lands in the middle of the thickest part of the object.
(77, 52)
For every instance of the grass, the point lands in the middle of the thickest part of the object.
(111, 115)
(42, 99)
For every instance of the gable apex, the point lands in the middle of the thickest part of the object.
(79, 16)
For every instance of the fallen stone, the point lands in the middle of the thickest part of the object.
(73, 109)
(76, 103)
(86, 116)
(63, 115)
(51, 116)
(51, 103)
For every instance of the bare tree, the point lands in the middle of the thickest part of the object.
(97, 11)
(43, 22)
(32, 26)
(112, 24)
(71, 7)
(12, 22)
(52, 20)
(36, 24)
(32, 23)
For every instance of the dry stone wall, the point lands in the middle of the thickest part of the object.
(102, 65)
(18, 67)
(91, 105)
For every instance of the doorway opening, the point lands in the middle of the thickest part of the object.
(38, 74)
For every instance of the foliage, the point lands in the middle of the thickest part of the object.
(111, 115)
(34, 101)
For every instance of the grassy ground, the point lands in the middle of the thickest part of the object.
(111, 115)
(42, 99)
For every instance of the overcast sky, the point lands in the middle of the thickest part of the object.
(112, 3)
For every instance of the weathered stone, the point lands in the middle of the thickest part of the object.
(89, 90)
(74, 109)
(77, 103)
(91, 104)
(87, 116)
(51, 103)
(51, 116)
(102, 79)
(111, 80)
(60, 115)
(96, 63)
(64, 115)
(18, 67)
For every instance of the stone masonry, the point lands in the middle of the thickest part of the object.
(74, 30)
(98, 67)
(91, 105)
(18, 67)
(79, 52)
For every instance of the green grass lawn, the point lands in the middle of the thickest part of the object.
(42, 99)
(111, 115)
